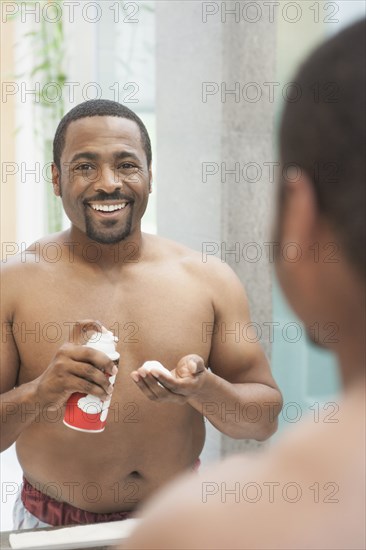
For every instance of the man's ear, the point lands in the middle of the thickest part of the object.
(300, 213)
(56, 180)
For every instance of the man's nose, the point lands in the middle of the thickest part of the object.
(108, 181)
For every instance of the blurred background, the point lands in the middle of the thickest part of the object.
(209, 80)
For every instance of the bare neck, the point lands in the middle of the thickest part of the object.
(106, 256)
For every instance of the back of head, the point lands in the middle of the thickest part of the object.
(323, 133)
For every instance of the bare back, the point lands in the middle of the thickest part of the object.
(307, 492)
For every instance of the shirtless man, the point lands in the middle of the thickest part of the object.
(158, 296)
(308, 492)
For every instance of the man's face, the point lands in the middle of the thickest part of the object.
(105, 180)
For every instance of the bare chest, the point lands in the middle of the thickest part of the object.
(162, 318)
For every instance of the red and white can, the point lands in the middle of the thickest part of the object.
(86, 412)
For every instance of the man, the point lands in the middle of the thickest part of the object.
(309, 491)
(158, 297)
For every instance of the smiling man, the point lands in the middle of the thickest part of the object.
(156, 295)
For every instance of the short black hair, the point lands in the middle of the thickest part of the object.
(97, 107)
(323, 134)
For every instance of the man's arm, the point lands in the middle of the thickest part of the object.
(239, 396)
(17, 408)
(241, 411)
(13, 401)
(73, 368)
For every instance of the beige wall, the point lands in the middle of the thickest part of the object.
(7, 137)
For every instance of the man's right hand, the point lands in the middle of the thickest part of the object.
(76, 368)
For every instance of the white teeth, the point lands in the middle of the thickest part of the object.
(109, 207)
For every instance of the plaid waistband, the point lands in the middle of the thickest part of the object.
(59, 513)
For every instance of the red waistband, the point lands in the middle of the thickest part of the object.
(58, 513)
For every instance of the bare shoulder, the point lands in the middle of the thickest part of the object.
(18, 270)
(16, 261)
(312, 475)
(198, 264)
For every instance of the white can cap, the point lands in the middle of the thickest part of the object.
(104, 341)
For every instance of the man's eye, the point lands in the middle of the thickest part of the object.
(84, 167)
(126, 166)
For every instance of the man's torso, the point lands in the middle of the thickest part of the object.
(158, 310)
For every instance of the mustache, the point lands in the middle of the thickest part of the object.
(100, 197)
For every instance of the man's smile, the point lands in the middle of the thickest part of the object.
(108, 216)
(108, 208)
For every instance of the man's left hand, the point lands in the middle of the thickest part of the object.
(181, 384)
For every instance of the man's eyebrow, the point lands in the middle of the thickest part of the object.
(85, 155)
(125, 154)
(95, 156)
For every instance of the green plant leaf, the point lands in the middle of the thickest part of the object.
(41, 67)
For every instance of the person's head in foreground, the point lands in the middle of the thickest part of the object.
(308, 491)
